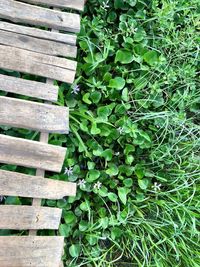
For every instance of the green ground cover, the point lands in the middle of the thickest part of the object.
(134, 143)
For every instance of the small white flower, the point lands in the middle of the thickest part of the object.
(133, 30)
(120, 130)
(97, 185)
(81, 183)
(68, 171)
(75, 89)
(105, 5)
(156, 187)
(117, 153)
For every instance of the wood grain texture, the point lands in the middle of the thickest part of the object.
(35, 116)
(34, 15)
(29, 88)
(38, 64)
(31, 154)
(34, 251)
(38, 33)
(22, 185)
(73, 4)
(37, 45)
(29, 217)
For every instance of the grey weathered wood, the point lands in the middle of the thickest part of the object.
(37, 45)
(38, 33)
(35, 251)
(34, 89)
(39, 64)
(12, 10)
(40, 58)
(31, 154)
(29, 217)
(35, 116)
(74, 4)
(22, 185)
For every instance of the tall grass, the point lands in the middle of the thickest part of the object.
(162, 228)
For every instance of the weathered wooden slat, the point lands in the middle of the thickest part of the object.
(22, 185)
(12, 10)
(29, 217)
(74, 4)
(31, 154)
(35, 251)
(37, 45)
(47, 60)
(29, 88)
(35, 116)
(38, 33)
(38, 64)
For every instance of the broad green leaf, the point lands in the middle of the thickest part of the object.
(65, 230)
(86, 98)
(125, 94)
(84, 206)
(122, 193)
(113, 197)
(143, 183)
(151, 57)
(95, 130)
(112, 170)
(69, 217)
(128, 182)
(83, 226)
(117, 83)
(107, 154)
(92, 175)
(124, 57)
(96, 97)
(74, 250)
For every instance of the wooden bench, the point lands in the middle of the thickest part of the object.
(36, 37)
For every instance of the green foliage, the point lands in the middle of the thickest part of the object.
(134, 140)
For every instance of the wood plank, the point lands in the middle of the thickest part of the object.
(35, 251)
(44, 137)
(73, 4)
(38, 64)
(18, 151)
(22, 185)
(35, 116)
(37, 45)
(39, 16)
(38, 33)
(34, 89)
(29, 217)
